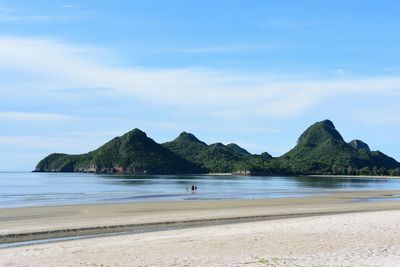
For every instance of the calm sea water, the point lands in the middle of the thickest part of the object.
(39, 189)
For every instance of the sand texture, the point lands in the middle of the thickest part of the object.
(358, 239)
(335, 229)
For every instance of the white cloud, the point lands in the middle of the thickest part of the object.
(340, 72)
(292, 24)
(226, 48)
(70, 6)
(390, 69)
(215, 93)
(25, 18)
(378, 117)
(283, 24)
(34, 117)
(14, 18)
(49, 144)
(11, 15)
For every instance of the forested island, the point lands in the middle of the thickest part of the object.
(320, 150)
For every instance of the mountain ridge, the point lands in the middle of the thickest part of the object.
(320, 149)
(133, 152)
(358, 144)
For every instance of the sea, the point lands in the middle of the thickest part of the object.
(27, 189)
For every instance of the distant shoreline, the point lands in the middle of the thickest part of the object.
(221, 174)
(354, 176)
(312, 175)
(232, 174)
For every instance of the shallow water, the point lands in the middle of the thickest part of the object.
(40, 189)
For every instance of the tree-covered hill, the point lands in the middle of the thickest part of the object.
(212, 158)
(133, 152)
(319, 150)
(322, 150)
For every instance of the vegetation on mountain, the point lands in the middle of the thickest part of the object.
(358, 144)
(133, 152)
(239, 150)
(320, 150)
(216, 158)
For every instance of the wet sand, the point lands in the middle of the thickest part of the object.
(35, 223)
(334, 229)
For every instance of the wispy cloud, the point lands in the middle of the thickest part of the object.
(70, 6)
(295, 24)
(85, 90)
(383, 115)
(283, 24)
(390, 69)
(210, 92)
(227, 48)
(11, 18)
(34, 117)
(340, 72)
(12, 15)
(27, 141)
(26, 18)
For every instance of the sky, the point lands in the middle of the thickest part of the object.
(74, 74)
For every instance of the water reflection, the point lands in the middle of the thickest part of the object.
(341, 182)
(257, 182)
(30, 189)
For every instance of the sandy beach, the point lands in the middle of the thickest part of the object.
(337, 229)
(358, 239)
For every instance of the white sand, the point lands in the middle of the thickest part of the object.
(357, 239)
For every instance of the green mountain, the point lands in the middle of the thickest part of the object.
(321, 149)
(188, 147)
(212, 158)
(239, 150)
(358, 144)
(133, 153)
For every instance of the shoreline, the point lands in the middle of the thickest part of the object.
(52, 222)
(228, 174)
(94, 232)
(231, 174)
(354, 176)
(13, 240)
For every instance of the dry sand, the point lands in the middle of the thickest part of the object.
(340, 230)
(357, 239)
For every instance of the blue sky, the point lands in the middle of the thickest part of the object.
(74, 74)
